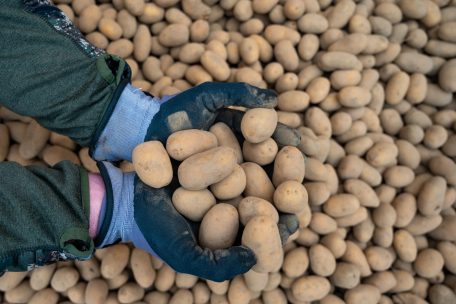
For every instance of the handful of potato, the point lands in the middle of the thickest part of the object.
(220, 190)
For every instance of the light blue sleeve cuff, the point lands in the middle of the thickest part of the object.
(127, 125)
(123, 225)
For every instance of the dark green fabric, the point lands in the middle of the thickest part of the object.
(44, 215)
(50, 72)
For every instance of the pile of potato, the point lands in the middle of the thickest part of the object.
(219, 190)
(369, 85)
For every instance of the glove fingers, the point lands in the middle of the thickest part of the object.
(173, 238)
(288, 224)
(232, 118)
(286, 136)
(217, 95)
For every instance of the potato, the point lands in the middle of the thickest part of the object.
(312, 23)
(258, 182)
(363, 293)
(193, 204)
(219, 227)
(346, 276)
(365, 194)
(275, 33)
(183, 144)
(41, 277)
(286, 55)
(428, 263)
(296, 262)
(19, 294)
(262, 153)
(114, 261)
(258, 124)
(226, 138)
(96, 292)
(405, 246)
(152, 164)
(268, 252)
(231, 186)
(444, 231)
(34, 141)
(315, 170)
(255, 281)
(354, 96)
(55, 154)
(308, 46)
(288, 165)
(318, 121)
(47, 295)
(128, 23)
(331, 61)
(238, 291)
(310, 288)
(341, 205)
(249, 50)
(174, 35)
(215, 65)
(165, 278)
(379, 258)
(142, 43)
(89, 269)
(64, 278)
(290, 197)
(431, 196)
(382, 154)
(251, 206)
(397, 88)
(206, 168)
(129, 293)
(446, 76)
(322, 262)
(110, 28)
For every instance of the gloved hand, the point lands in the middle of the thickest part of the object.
(146, 216)
(139, 117)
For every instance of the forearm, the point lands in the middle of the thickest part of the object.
(50, 72)
(45, 215)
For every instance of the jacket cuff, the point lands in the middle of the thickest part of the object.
(127, 126)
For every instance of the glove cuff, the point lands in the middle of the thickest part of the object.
(119, 224)
(127, 126)
(119, 215)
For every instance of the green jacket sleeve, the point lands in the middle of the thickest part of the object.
(50, 72)
(44, 215)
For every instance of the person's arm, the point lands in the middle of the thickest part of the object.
(50, 72)
(44, 215)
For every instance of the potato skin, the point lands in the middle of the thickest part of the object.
(288, 165)
(251, 206)
(152, 164)
(291, 197)
(261, 234)
(258, 182)
(183, 144)
(206, 168)
(231, 186)
(193, 204)
(258, 124)
(262, 153)
(226, 138)
(219, 227)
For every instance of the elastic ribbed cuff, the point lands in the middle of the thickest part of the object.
(127, 126)
(121, 221)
